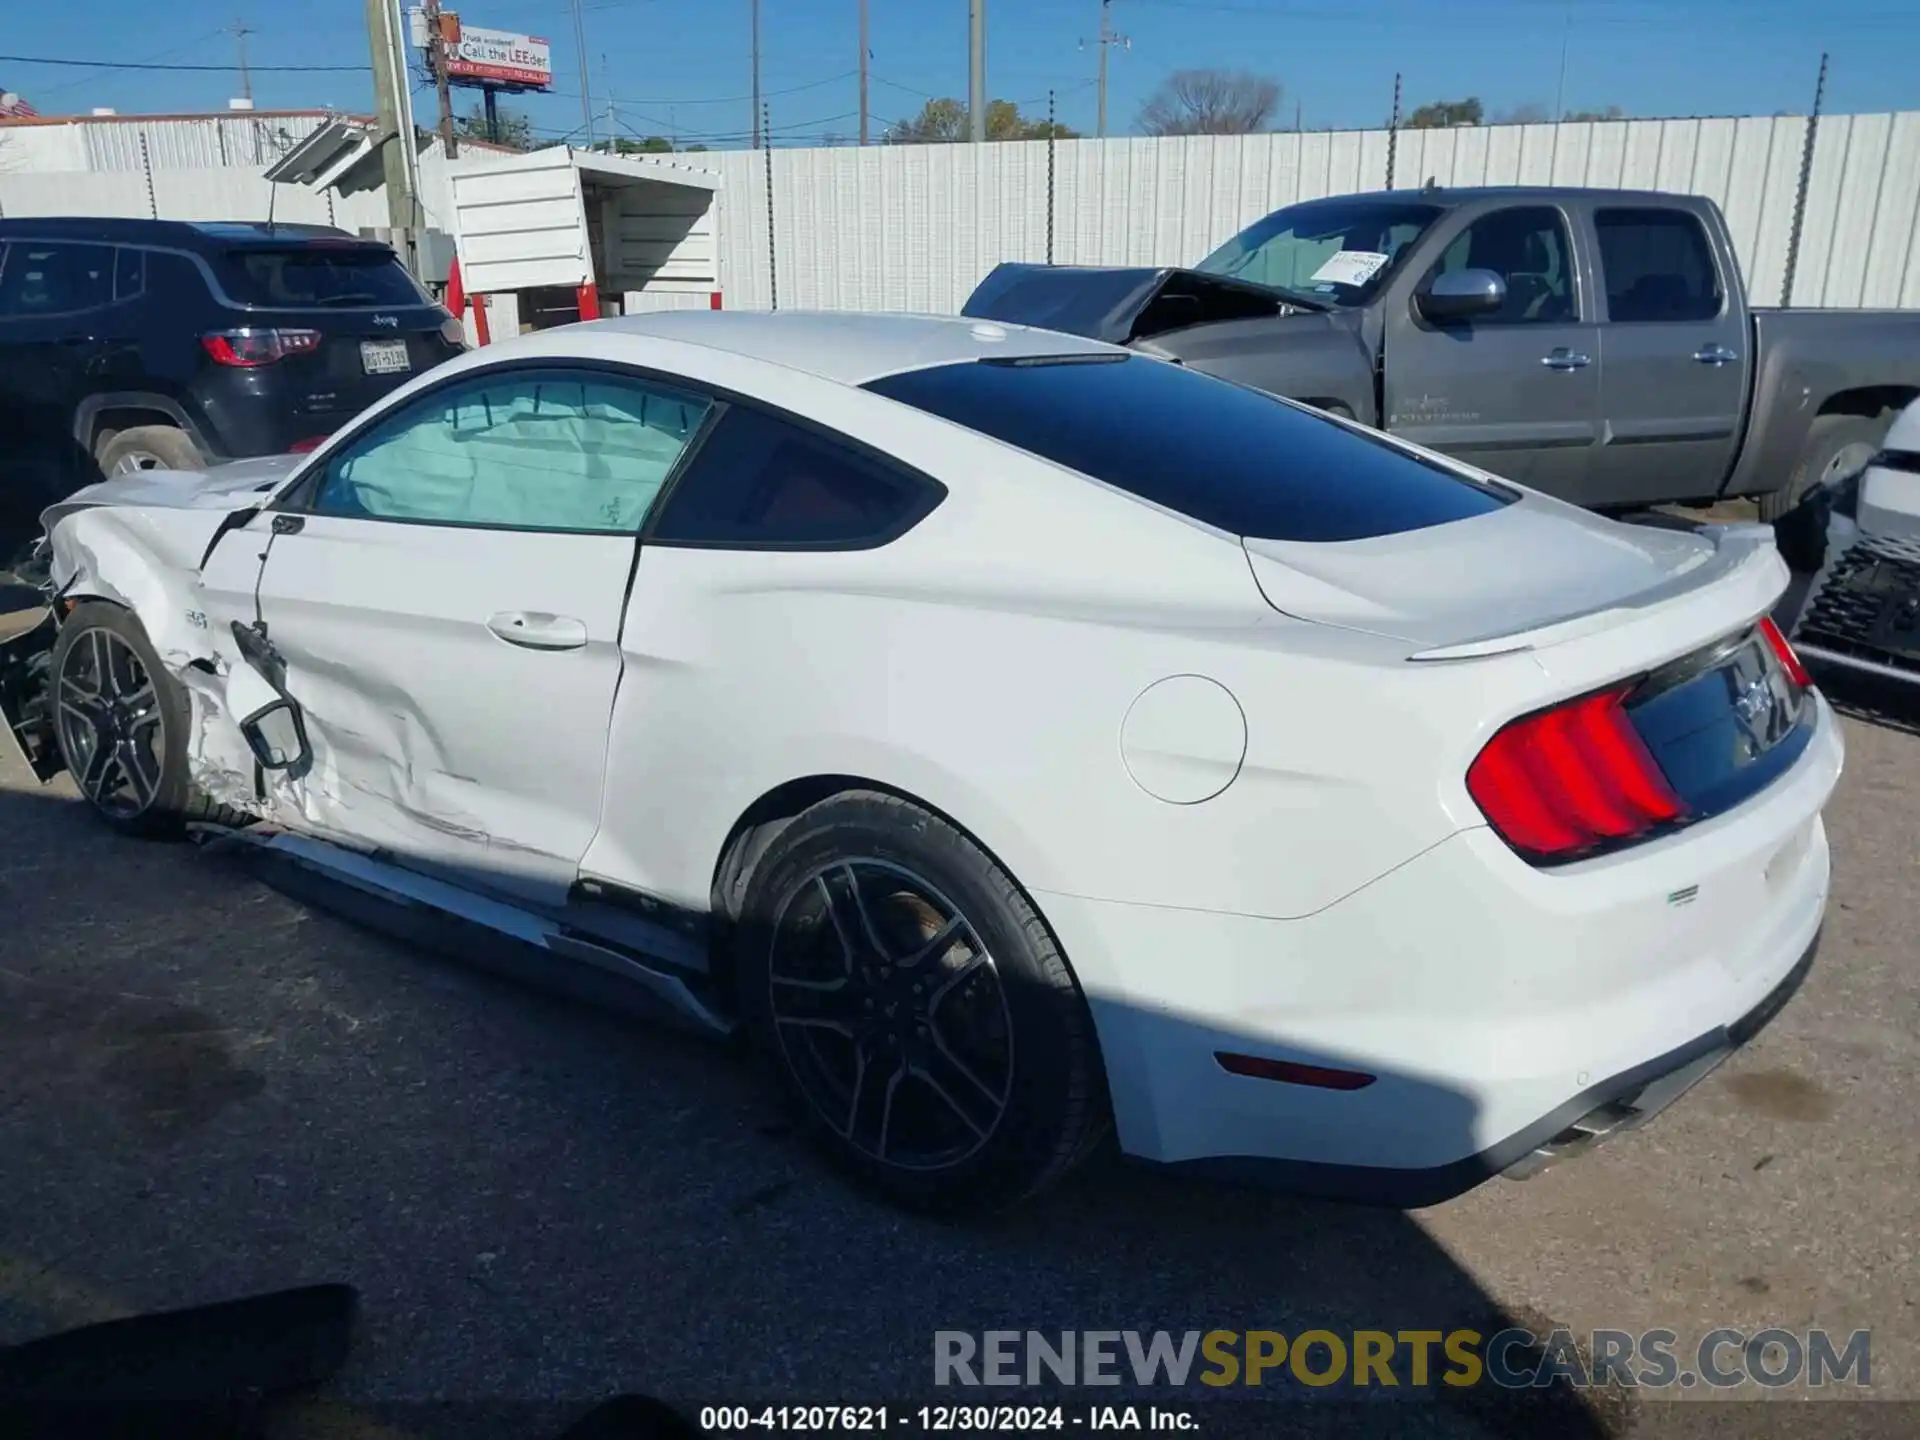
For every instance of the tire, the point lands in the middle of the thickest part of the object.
(154, 797)
(1836, 445)
(986, 1085)
(149, 447)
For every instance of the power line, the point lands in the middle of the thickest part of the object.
(115, 66)
(150, 65)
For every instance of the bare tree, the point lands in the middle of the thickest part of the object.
(1531, 113)
(1612, 112)
(1211, 102)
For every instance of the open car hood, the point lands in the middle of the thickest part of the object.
(1117, 305)
(1532, 573)
(235, 486)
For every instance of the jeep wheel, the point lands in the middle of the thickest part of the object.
(149, 447)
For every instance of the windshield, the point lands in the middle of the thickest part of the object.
(1338, 251)
(351, 276)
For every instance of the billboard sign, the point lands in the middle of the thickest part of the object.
(501, 57)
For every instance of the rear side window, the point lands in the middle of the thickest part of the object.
(760, 482)
(318, 276)
(55, 279)
(1220, 453)
(129, 273)
(1656, 266)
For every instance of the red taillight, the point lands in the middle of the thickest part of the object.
(1783, 651)
(1570, 779)
(311, 443)
(249, 349)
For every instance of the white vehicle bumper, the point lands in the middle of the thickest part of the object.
(1505, 1013)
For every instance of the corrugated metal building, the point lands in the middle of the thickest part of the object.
(122, 143)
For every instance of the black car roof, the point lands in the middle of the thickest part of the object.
(179, 234)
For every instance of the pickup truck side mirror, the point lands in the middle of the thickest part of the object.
(1461, 295)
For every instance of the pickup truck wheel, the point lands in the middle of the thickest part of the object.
(1837, 446)
(149, 447)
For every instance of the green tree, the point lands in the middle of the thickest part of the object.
(1444, 114)
(516, 130)
(946, 120)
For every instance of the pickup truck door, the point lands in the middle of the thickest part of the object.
(1674, 348)
(446, 590)
(1516, 392)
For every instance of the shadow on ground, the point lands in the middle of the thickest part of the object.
(210, 1090)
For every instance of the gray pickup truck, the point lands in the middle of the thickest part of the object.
(1594, 344)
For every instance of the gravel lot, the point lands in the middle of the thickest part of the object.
(208, 1089)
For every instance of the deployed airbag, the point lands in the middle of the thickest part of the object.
(530, 452)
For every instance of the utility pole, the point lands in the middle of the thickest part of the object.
(580, 45)
(240, 30)
(613, 113)
(437, 64)
(976, 70)
(390, 92)
(1106, 41)
(754, 25)
(1560, 90)
(863, 72)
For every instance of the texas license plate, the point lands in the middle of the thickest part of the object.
(384, 357)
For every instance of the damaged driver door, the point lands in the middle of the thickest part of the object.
(444, 591)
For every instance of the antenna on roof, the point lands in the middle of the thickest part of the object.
(1432, 187)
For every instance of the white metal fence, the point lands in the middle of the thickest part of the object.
(917, 227)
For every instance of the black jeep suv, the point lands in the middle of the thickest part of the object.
(140, 344)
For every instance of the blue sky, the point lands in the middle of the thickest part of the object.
(683, 64)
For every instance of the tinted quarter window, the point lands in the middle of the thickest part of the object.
(762, 482)
(1528, 249)
(55, 279)
(1656, 265)
(320, 275)
(1220, 453)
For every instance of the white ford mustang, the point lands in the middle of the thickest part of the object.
(1011, 734)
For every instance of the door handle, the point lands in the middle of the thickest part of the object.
(535, 630)
(1561, 358)
(1715, 355)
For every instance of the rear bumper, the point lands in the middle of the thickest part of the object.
(1492, 1010)
(1622, 1102)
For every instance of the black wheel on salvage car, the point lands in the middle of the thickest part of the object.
(122, 723)
(915, 1008)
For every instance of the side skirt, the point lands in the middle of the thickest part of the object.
(494, 934)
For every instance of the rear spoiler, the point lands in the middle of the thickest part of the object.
(1736, 548)
(1118, 305)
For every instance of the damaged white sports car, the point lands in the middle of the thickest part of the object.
(1014, 734)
